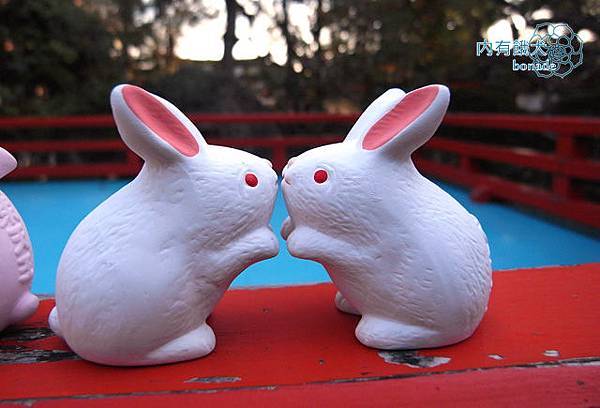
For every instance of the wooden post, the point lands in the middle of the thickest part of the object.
(279, 156)
(564, 151)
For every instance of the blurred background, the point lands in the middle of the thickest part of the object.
(62, 57)
(276, 77)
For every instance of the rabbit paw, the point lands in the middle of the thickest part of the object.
(26, 306)
(194, 344)
(256, 246)
(386, 334)
(308, 243)
(287, 228)
(54, 323)
(342, 304)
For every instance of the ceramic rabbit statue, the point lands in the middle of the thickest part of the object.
(16, 258)
(403, 253)
(143, 271)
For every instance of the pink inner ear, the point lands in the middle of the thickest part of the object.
(402, 115)
(160, 120)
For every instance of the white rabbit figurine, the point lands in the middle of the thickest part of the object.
(16, 258)
(143, 271)
(403, 253)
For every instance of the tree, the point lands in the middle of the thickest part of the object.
(578, 92)
(55, 58)
(351, 52)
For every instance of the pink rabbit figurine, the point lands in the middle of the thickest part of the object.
(16, 258)
(143, 271)
(403, 253)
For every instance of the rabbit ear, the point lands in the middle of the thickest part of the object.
(153, 127)
(410, 122)
(373, 113)
(7, 163)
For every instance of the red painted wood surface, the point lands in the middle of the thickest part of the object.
(557, 387)
(539, 344)
(566, 165)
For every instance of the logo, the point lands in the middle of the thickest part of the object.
(553, 49)
(557, 46)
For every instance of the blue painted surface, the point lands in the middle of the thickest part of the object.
(53, 209)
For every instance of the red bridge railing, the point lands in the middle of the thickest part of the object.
(567, 164)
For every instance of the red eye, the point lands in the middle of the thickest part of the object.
(251, 179)
(320, 176)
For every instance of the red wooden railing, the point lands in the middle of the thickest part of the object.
(565, 164)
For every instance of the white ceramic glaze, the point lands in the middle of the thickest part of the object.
(143, 271)
(16, 258)
(403, 253)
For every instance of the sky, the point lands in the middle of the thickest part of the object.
(204, 41)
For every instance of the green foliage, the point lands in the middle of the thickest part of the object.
(54, 59)
(201, 88)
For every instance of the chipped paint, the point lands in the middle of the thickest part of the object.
(23, 355)
(27, 334)
(588, 361)
(19, 354)
(582, 363)
(495, 356)
(213, 380)
(412, 359)
(551, 353)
